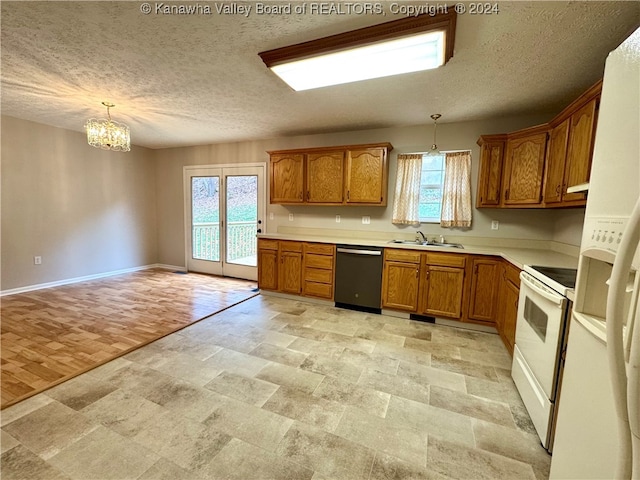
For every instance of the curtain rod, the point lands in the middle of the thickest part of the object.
(441, 151)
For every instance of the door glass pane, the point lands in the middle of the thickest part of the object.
(205, 218)
(242, 219)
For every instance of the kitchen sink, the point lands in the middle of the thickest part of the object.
(427, 243)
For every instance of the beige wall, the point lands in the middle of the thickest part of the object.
(518, 224)
(85, 211)
(88, 211)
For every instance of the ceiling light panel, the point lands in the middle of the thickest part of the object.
(411, 54)
(405, 45)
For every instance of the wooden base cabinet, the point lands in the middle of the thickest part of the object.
(268, 264)
(290, 272)
(508, 296)
(400, 279)
(280, 266)
(318, 270)
(443, 284)
(484, 289)
(298, 268)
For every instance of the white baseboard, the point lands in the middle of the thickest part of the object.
(68, 281)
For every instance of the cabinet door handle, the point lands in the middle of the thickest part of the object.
(506, 194)
(347, 195)
(417, 272)
(558, 189)
(308, 195)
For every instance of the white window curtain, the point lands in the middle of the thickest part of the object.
(406, 202)
(456, 194)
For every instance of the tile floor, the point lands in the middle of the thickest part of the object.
(280, 389)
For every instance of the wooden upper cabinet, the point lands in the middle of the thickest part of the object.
(325, 177)
(524, 164)
(580, 149)
(346, 175)
(366, 181)
(561, 150)
(287, 178)
(490, 175)
(556, 159)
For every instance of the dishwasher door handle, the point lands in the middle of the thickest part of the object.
(359, 252)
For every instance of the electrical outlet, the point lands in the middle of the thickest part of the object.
(366, 220)
(37, 260)
(337, 218)
(291, 217)
(495, 224)
(270, 215)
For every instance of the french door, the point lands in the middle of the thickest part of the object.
(224, 210)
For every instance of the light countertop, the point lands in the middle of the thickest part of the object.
(517, 256)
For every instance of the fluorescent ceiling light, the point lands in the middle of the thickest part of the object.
(406, 45)
(405, 55)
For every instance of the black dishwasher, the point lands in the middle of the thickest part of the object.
(358, 277)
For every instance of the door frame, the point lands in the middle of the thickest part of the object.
(223, 170)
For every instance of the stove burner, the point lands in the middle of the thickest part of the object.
(564, 276)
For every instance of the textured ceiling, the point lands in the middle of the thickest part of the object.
(197, 79)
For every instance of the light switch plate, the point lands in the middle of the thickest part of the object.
(270, 215)
(291, 217)
(337, 218)
(495, 224)
(366, 220)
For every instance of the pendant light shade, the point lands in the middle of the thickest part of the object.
(434, 151)
(107, 134)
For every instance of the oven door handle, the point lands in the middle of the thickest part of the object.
(541, 290)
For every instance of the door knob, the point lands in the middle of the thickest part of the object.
(259, 230)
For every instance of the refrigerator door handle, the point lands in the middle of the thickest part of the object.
(625, 395)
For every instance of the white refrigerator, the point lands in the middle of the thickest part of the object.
(598, 426)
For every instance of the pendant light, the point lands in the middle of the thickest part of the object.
(434, 151)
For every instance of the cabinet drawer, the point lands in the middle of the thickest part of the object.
(318, 275)
(320, 290)
(446, 259)
(408, 256)
(290, 246)
(318, 261)
(512, 274)
(267, 244)
(319, 248)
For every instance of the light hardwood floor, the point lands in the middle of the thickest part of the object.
(54, 334)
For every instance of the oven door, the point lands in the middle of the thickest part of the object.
(539, 330)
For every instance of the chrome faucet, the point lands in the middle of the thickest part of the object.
(424, 239)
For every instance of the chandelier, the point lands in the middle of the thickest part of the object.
(107, 134)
